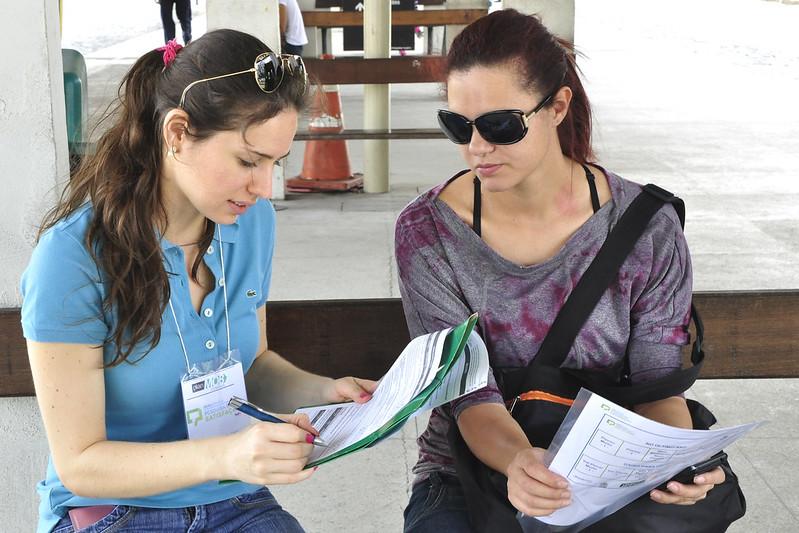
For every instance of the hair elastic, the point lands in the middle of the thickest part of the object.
(170, 51)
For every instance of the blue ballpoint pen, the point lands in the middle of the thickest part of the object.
(243, 406)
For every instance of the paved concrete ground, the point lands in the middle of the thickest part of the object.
(698, 97)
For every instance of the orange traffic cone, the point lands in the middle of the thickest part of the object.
(326, 163)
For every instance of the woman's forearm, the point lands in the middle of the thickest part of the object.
(277, 385)
(113, 469)
(497, 446)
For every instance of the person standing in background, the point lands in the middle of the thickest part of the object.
(183, 11)
(292, 28)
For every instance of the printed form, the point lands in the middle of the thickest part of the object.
(468, 374)
(611, 456)
(344, 424)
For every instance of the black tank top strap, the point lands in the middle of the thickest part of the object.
(477, 209)
(592, 187)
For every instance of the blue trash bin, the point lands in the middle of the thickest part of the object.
(76, 98)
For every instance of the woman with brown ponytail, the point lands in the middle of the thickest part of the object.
(510, 237)
(144, 305)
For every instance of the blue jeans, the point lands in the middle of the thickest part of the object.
(437, 505)
(257, 511)
(295, 49)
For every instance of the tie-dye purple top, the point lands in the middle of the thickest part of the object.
(446, 272)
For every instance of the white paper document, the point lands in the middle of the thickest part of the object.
(611, 456)
(341, 425)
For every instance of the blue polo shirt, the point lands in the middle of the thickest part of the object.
(63, 292)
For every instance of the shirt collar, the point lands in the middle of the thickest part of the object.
(229, 235)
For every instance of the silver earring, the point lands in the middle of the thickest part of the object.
(172, 150)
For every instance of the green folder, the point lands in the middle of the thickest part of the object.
(453, 348)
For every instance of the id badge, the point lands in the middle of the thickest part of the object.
(206, 396)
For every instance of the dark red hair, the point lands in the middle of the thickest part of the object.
(546, 63)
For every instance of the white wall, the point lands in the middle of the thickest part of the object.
(22, 463)
(33, 160)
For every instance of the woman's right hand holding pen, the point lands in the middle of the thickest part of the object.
(271, 454)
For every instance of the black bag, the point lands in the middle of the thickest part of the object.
(489, 509)
(541, 393)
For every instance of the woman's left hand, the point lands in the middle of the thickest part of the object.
(349, 388)
(682, 494)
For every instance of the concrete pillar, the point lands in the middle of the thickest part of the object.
(376, 98)
(33, 149)
(260, 18)
(557, 15)
(33, 133)
(257, 17)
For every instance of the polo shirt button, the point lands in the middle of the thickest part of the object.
(208, 312)
(210, 250)
(221, 282)
(210, 344)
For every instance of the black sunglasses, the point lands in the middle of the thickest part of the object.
(507, 126)
(269, 69)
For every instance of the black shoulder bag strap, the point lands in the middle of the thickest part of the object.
(602, 271)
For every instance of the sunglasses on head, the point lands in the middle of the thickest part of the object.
(269, 69)
(507, 126)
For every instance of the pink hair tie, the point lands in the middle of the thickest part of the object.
(170, 51)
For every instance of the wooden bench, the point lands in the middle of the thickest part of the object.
(355, 134)
(747, 335)
(408, 69)
(431, 17)
(325, 20)
(357, 70)
(326, 4)
(349, 70)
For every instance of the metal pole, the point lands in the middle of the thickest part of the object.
(376, 98)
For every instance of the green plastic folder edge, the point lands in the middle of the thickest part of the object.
(453, 348)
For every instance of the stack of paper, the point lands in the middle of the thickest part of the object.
(611, 456)
(433, 369)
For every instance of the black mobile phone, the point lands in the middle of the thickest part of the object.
(687, 475)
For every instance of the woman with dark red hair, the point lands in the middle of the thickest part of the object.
(510, 237)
